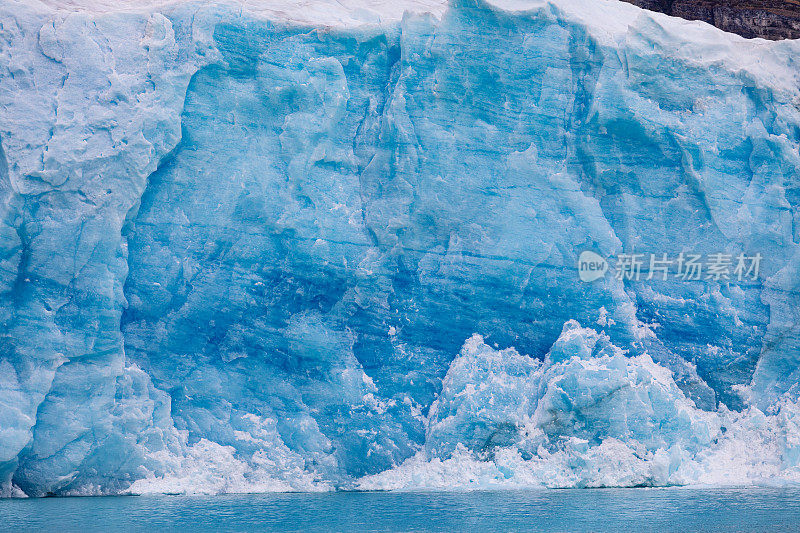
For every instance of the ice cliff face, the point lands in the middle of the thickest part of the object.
(243, 250)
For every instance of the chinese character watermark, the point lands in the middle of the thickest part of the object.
(684, 266)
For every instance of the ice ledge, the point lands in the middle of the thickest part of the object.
(325, 12)
(610, 22)
(614, 15)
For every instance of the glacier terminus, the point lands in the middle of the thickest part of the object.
(254, 246)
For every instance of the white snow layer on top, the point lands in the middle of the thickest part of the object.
(609, 21)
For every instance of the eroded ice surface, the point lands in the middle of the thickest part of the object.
(249, 246)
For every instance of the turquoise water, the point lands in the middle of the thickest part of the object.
(672, 509)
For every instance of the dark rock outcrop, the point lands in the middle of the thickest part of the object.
(770, 19)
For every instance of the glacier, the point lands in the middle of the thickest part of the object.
(276, 246)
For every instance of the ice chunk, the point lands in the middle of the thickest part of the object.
(587, 417)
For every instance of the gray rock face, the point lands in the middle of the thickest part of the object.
(770, 19)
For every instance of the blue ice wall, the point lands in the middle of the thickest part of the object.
(242, 253)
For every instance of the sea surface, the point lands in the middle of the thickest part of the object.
(668, 509)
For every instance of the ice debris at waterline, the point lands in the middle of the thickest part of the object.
(242, 246)
(588, 416)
